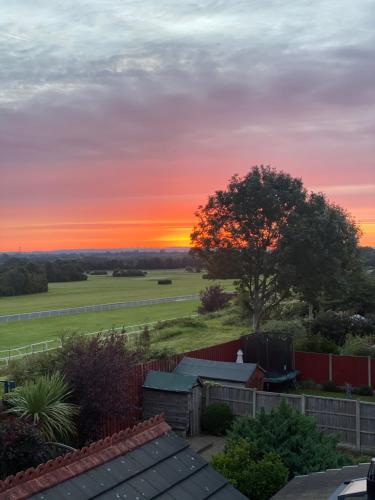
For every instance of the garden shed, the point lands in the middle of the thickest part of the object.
(178, 396)
(222, 372)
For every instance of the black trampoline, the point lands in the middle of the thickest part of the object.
(274, 353)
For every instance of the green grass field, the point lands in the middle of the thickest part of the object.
(21, 333)
(105, 289)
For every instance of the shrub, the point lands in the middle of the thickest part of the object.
(293, 436)
(128, 273)
(255, 473)
(161, 353)
(291, 310)
(195, 323)
(43, 403)
(359, 346)
(330, 386)
(307, 384)
(364, 390)
(315, 343)
(216, 419)
(21, 446)
(294, 327)
(98, 369)
(331, 325)
(206, 276)
(98, 273)
(213, 298)
(164, 282)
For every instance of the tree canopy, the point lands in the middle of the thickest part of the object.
(272, 235)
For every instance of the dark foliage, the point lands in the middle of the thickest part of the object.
(292, 436)
(164, 282)
(60, 271)
(364, 390)
(99, 371)
(128, 273)
(336, 326)
(98, 272)
(272, 235)
(256, 474)
(213, 298)
(330, 386)
(21, 447)
(216, 419)
(20, 277)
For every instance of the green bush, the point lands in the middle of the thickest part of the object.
(291, 310)
(307, 384)
(331, 325)
(315, 343)
(359, 346)
(128, 273)
(161, 353)
(216, 419)
(98, 273)
(256, 474)
(291, 435)
(330, 386)
(295, 327)
(164, 282)
(364, 390)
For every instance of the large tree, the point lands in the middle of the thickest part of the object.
(251, 228)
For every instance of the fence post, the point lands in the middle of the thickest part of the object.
(207, 395)
(254, 403)
(303, 404)
(358, 424)
(330, 374)
(369, 377)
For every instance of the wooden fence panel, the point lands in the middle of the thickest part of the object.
(268, 400)
(352, 421)
(335, 416)
(367, 426)
(239, 400)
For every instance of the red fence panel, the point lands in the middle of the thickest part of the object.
(313, 366)
(350, 370)
(220, 352)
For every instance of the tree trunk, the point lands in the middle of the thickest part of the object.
(257, 316)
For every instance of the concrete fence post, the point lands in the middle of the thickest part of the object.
(330, 369)
(369, 374)
(254, 403)
(358, 424)
(303, 404)
(207, 395)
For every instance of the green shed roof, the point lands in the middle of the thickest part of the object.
(172, 382)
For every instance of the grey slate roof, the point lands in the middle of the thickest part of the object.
(216, 370)
(163, 468)
(172, 382)
(320, 485)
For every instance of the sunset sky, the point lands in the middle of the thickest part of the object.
(119, 117)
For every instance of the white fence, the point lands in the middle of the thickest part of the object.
(94, 308)
(49, 345)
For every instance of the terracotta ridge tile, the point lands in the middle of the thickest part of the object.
(88, 457)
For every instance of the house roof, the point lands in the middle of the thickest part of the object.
(325, 485)
(172, 382)
(216, 370)
(147, 461)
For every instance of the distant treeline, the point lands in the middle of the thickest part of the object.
(23, 277)
(367, 255)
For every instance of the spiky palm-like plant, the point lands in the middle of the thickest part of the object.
(43, 402)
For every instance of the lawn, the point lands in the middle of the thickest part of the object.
(21, 333)
(328, 394)
(105, 289)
